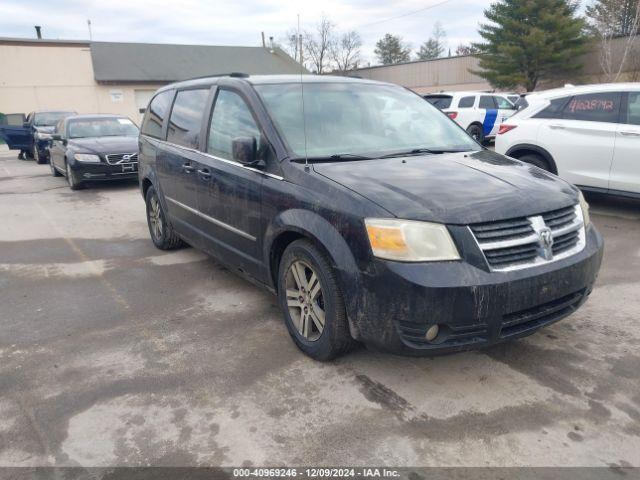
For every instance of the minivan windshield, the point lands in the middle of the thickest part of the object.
(346, 120)
(102, 127)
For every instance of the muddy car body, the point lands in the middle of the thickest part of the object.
(434, 248)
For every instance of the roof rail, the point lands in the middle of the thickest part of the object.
(232, 74)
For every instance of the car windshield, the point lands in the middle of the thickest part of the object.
(49, 119)
(344, 120)
(102, 127)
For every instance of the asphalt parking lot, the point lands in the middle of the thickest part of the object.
(115, 353)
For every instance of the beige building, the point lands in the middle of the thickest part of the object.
(104, 77)
(455, 73)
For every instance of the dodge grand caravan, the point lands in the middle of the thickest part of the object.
(371, 215)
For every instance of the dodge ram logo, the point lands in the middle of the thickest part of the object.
(546, 243)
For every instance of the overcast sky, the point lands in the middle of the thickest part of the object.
(238, 22)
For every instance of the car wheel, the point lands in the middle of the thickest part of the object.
(476, 132)
(53, 169)
(312, 302)
(536, 160)
(73, 182)
(162, 233)
(36, 156)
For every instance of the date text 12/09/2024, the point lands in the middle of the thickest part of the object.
(325, 472)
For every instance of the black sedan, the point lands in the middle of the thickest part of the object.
(94, 148)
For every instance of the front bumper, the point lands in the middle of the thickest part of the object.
(103, 172)
(398, 302)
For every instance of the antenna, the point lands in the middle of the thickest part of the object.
(304, 116)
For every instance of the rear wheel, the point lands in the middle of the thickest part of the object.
(537, 160)
(312, 302)
(476, 132)
(162, 234)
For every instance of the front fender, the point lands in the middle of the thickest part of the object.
(315, 227)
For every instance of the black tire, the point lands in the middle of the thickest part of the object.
(40, 160)
(537, 160)
(476, 132)
(74, 183)
(54, 171)
(163, 237)
(335, 338)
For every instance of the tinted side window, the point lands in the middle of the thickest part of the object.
(158, 109)
(487, 101)
(441, 102)
(186, 117)
(594, 107)
(466, 102)
(553, 110)
(231, 118)
(633, 109)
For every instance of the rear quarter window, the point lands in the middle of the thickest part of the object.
(439, 101)
(594, 107)
(156, 113)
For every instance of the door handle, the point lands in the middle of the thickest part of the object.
(557, 126)
(630, 134)
(187, 168)
(204, 173)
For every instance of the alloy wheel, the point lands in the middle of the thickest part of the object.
(305, 300)
(155, 217)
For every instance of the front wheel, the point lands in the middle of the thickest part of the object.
(312, 302)
(73, 182)
(162, 234)
(37, 157)
(54, 171)
(536, 160)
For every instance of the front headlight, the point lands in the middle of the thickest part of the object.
(87, 158)
(584, 206)
(410, 241)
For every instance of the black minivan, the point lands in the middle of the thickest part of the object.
(371, 215)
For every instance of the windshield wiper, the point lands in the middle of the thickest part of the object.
(418, 151)
(332, 158)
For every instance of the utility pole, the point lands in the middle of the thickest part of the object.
(300, 40)
(264, 44)
(89, 25)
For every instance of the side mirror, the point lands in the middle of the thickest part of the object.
(245, 150)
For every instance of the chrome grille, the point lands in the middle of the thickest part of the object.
(529, 241)
(121, 158)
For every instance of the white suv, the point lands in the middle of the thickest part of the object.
(588, 135)
(480, 114)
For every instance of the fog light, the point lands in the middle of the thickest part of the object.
(432, 333)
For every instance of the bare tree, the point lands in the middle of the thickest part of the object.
(291, 44)
(345, 51)
(318, 45)
(605, 19)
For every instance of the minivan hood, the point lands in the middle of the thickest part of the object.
(453, 188)
(105, 145)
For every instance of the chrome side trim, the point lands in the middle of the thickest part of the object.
(538, 223)
(215, 221)
(223, 160)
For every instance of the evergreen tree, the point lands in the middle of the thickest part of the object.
(528, 41)
(391, 49)
(434, 47)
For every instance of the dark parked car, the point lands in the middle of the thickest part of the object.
(371, 215)
(31, 135)
(94, 148)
